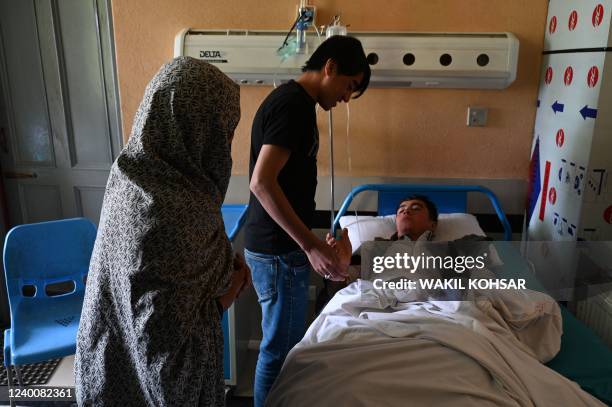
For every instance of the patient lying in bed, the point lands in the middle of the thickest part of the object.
(371, 346)
(416, 220)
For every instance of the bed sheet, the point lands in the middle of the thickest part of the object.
(355, 351)
(369, 348)
(583, 357)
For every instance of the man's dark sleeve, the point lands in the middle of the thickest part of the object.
(285, 126)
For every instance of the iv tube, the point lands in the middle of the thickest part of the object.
(331, 172)
(333, 29)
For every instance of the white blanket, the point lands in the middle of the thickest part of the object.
(367, 348)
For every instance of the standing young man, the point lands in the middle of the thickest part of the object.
(280, 247)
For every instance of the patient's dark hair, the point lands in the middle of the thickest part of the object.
(431, 207)
(349, 56)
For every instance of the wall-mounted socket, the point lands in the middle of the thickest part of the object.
(477, 116)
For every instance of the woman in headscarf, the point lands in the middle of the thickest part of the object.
(162, 268)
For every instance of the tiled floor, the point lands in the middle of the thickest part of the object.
(64, 374)
(64, 377)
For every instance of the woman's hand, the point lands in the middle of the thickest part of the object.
(240, 280)
(240, 264)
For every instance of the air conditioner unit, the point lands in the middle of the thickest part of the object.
(397, 59)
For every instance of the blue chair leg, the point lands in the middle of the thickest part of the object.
(9, 375)
(20, 381)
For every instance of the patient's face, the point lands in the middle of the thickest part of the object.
(412, 219)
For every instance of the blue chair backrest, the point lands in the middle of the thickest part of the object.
(39, 255)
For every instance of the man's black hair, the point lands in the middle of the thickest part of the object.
(347, 53)
(431, 207)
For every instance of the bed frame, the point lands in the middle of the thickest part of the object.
(583, 358)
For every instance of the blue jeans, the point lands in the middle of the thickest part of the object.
(281, 283)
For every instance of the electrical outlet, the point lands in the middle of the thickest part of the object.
(477, 116)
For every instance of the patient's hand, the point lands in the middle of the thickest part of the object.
(343, 248)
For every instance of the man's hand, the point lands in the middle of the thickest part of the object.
(240, 280)
(343, 248)
(264, 185)
(326, 262)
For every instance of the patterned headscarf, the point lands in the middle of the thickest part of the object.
(161, 255)
(182, 128)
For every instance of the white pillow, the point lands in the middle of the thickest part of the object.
(451, 226)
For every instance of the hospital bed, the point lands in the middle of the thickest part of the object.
(583, 357)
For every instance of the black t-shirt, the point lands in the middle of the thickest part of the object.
(286, 118)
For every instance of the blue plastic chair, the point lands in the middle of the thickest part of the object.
(38, 259)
